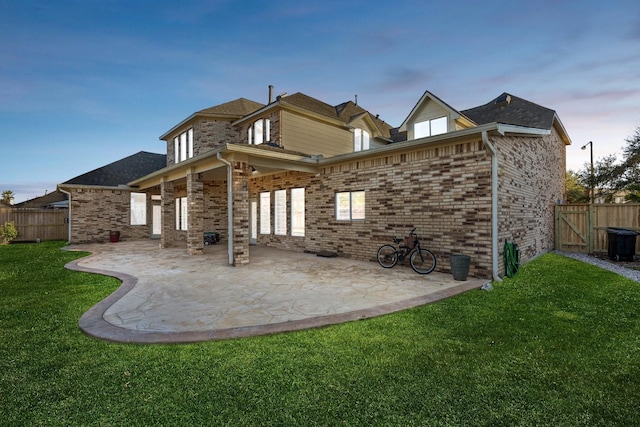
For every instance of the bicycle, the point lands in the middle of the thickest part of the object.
(422, 260)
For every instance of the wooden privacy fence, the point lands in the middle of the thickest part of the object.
(583, 228)
(34, 224)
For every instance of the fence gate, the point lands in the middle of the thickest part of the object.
(583, 228)
(572, 228)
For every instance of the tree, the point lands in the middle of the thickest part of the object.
(576, 191)
(8, 232)
(7, 196)
(611, 177)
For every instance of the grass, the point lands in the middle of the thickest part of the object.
(557, 345)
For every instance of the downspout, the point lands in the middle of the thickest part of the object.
(494, 206)
(229, 205)
(69, 218)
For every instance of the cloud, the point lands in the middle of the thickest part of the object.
(405, 78)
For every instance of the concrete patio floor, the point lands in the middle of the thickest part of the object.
(168, 296)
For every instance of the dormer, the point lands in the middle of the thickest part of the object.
(431, 116)
(366, 132)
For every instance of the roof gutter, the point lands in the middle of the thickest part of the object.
(230, 238)
(494, 206)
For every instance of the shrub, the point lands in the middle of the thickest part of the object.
(8, 232)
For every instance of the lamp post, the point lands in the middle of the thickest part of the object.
(592, 198)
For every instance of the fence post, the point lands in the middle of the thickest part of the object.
(590, 230)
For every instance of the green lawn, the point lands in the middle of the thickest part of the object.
(557, 345)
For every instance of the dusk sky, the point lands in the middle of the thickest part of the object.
(85, 83)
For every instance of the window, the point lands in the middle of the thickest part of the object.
(265, 213)
(297, 212)
(183, 146)
(430, 128)
(259, 132)
(280, 215)
(350, 205)
(138, 209)
(181, 213)
(360, 140)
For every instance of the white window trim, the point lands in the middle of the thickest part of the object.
(427, 127)
(345, 206)
(280, 213)
(183, 146)
(138, 208)
(259, 132)
(361, 140)
(297, 212)
(181, 214)
(265, 212)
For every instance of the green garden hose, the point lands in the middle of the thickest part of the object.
(511, 259)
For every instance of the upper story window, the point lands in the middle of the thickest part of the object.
(360, 140)
(183, 146)
(259, 132)
(430, 127)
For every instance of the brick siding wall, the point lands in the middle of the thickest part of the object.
(443, 191)
(531, 177)
(211, 133)
(96, 212)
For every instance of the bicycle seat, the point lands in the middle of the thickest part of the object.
(396, 240)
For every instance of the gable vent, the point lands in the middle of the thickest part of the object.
(503, 100)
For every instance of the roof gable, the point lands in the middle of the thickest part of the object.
(122, 171)
(427, 98)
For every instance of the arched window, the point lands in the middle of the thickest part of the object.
(259, 132)
(360, 140)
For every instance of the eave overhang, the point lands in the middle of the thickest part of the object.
(209, 161)
(283, 105)
(189, 120)
(277, 160)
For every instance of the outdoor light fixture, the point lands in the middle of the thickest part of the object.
(591, 179)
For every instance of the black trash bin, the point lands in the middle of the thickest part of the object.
(622, 243)
(211, 237)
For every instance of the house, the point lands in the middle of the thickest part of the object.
(299, 174)
(100, 200)
(53, 200)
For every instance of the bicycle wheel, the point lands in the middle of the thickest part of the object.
(423, 261)
(387, 256)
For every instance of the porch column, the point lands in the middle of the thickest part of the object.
(195, 212)
(240, 212)
(168, 214)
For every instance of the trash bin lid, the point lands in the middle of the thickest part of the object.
(621, 231)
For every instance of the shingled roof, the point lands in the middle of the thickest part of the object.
(239, 107)
(345, 112)
(122, 171)
(511, 110)
(42, 201)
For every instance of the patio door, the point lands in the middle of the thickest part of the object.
(253, 222)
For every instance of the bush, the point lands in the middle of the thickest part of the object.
(8, 232)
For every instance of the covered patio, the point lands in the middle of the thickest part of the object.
(168, 296)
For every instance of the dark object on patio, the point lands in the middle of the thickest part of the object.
(114, 236)
(460, 266)
(211, 237)
(327, 254)
(621, 243)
